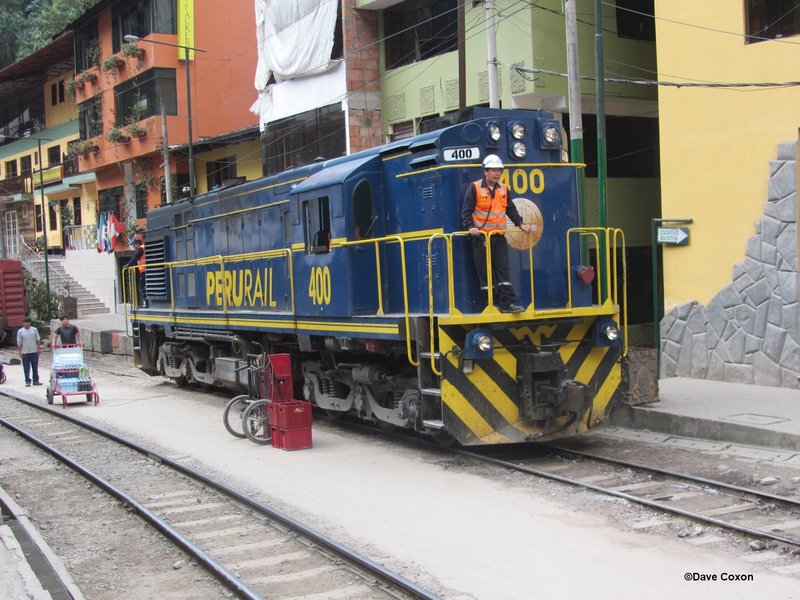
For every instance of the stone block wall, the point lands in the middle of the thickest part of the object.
(748, 333)
(97, 272)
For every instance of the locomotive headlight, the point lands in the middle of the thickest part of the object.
(484, 343)
(551, 135)
(611, 332)
(520, 150)
(494, 132)
(478, 344)
(518, 131)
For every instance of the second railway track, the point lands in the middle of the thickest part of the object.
(255, 551)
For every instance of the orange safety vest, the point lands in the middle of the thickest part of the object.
(490, 212)
(141, 262)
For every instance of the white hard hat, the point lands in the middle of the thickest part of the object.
(492, 161)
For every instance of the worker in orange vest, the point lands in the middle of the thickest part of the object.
(138, 259)
(486, 205)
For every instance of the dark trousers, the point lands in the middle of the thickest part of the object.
(30, 365)
(501, 276)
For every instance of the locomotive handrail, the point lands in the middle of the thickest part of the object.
(400, 240)
(617, 233)
(583, 232)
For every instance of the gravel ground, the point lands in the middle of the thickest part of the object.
(462, 530)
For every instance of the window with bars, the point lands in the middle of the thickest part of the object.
(141, 18)
(140, 97)
(418, 29)
(771, 19)
(111, 200)
(219, 171)
(301, 139)
(90, 118)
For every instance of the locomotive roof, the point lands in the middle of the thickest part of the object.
(336, 173)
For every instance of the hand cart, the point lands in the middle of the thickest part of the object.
(69, 376)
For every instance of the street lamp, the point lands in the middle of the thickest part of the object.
(44, 215)
(186, 49)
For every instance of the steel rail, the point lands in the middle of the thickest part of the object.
(390, 577)
(209, 564)
(677, 475)
(630, 497)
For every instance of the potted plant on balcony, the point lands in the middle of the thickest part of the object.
(112, 63)
(132, 49)
(116, 136)
(135, 130)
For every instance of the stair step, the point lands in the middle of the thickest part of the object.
(82, 312)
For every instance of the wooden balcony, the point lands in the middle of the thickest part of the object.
(19, 184)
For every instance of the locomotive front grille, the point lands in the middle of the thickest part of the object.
(156, 276)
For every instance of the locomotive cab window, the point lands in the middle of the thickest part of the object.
(363, 217)
(317, 223)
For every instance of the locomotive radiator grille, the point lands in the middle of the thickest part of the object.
(156, 276)
(485, 406)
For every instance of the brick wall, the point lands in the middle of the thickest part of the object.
(362, 56)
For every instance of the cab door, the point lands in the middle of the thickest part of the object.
(322, 279)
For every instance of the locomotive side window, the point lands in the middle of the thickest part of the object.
(363, 217)
(317, 225)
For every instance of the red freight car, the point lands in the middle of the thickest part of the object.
(12, 298)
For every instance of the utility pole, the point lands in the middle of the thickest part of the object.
(165, 154)
(462, 57)
(575, 105)
(491, 42)
(602, 173)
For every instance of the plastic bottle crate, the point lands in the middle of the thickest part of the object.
(290, 415)
(291, 439)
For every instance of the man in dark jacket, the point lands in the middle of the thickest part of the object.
(485, 208)
(138, 260)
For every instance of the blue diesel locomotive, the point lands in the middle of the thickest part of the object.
(359, 268)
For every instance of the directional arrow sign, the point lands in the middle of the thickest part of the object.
(678, 236)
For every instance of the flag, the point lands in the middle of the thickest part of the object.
(101, 227)
(116, 233)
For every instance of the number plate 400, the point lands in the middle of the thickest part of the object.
(319, 285)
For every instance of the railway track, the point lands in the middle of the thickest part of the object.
(755, 513)
(251, 549)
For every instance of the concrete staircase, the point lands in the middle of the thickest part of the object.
(87, 303)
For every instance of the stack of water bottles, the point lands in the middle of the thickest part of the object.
(71, 372)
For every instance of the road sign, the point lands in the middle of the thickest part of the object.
(678, 236)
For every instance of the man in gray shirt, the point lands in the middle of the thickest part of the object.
(30, 346)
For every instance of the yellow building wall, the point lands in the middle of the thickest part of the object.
(248, 162)
(716, 144)
(61, 111)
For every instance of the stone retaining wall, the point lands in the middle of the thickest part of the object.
(748, 333)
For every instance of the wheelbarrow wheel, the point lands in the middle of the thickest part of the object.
(255, 422)
(232, 416)
(49, 394)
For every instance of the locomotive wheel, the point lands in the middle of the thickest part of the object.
(233, 413)
(444, 438)
(255, 422)
(49, 394)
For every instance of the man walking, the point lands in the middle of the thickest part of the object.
(67, 333)
(30, 346)
(486, 205)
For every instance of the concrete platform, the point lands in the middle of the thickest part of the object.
(697, 408)
(738, 413)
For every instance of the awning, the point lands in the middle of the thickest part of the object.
(79, 179)
(59, 189)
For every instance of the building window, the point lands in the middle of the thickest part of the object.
(141, 200)
(111, 200)
(301, 139)
(138, 98)
(635, 20)
(53, 94)
(218, 172)
(52, 215)
(77, 216)
(317, 225)
(87, 48)
(12, 233)
(53, 155)
(38, 212)
(771, 19)
(418, 29)
(141, 18)
(25, 165)
(90, 118)
(11, 169)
